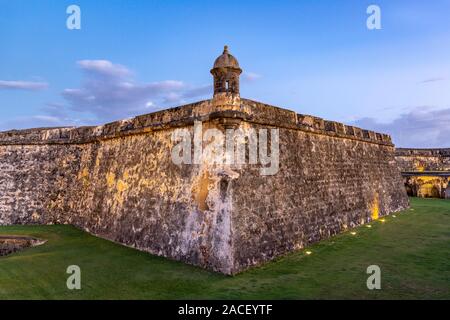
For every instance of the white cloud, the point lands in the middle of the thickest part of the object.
(422, 127)
(251, 76)
(435, 79)
(23, 85)
(36, 121)
(47, 118)
(104, 67)
(110, 92)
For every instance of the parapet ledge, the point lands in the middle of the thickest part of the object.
(228, 115)
(342, 130)
(169, 118)
(272, 115)
(416, 152)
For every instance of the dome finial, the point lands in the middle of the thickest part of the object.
(225, 49)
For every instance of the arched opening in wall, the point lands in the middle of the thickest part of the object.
(409, 190)
(435, 192)
(424, 190)
(430, 187)
(447, 192)
(429, 190)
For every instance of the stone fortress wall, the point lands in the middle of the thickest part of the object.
(426, 172)
(118, 181)
(421, 160)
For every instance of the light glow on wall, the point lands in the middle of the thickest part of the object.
(375, 208)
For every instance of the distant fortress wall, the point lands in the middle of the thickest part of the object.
(422, 160)
(426, 172)
(118, 181)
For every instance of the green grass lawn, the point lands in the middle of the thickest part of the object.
(412, 250)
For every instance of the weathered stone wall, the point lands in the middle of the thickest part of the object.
(33, 177)
(426, 172)
(420, 160)
(328, 181)
(118, 181)
(122, 186)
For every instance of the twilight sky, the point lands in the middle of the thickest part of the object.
(313, 57)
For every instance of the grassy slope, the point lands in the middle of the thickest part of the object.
(413, 251)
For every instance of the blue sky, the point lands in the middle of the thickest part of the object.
(314, 57)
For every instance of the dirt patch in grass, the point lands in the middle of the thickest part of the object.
(11, 244)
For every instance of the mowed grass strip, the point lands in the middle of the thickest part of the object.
(412, 250)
